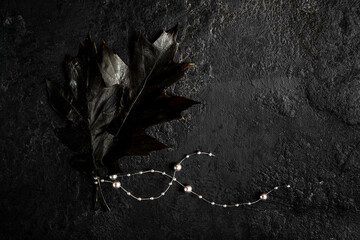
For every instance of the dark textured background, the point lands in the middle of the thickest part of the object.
(279, 83)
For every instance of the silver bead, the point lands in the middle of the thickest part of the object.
(113, 177)
(263, 196)
(177, 167)
(188, 188)
(116, 184)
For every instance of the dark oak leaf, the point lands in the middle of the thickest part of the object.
(109, 105)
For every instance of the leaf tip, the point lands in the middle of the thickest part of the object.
(48, 83)
(88, 36)
(173, 30)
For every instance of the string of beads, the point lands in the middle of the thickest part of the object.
(114, 180)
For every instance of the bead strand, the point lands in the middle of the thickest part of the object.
(187, 188)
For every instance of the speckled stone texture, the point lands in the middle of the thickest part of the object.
(279, 83)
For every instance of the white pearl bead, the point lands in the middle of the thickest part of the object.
(128, 174)
(151, 198)
(140, 172)
(113, 177)
(96, 183)
(116, 184)
(177, 167)
(139, 198)
(174, 179)
(200, 197)
(198, 152)
(287, 186)
(163, 173)
(263, 196)
(129, 193)
(210, 154)
(249, 203)
(188, 188)
(102, 180)
(162, 193)
(170, 183)
(187, 156)
(236, 205)
(212, 203)
(276, 188)
(224, 205)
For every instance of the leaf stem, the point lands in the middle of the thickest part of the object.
(102, 196)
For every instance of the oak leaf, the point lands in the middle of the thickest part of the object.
(109, 105)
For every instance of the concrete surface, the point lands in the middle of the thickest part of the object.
(279, 83)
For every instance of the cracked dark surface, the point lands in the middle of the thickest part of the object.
(279, 83)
